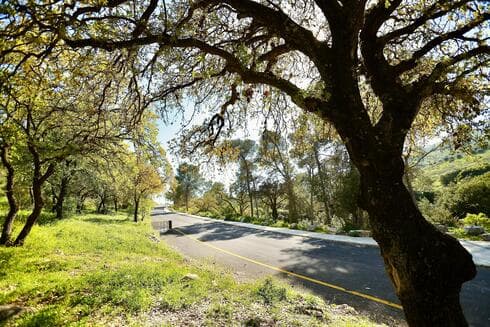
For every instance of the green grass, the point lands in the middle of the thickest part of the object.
(436, 168)
(459, 233)
(95, 270)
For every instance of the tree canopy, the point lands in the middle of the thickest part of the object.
(367, 67)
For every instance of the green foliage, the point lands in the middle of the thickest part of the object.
(477, 219)
(347, 195)
(460, 174)
(104, 269)
(459, 233)
(435, 166)
(437, 213)
(468, 196)
(271, 292)
(280, 223)
(188, 181)
(105, 263)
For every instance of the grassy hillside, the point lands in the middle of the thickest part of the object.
(443, 162)
(105, 270)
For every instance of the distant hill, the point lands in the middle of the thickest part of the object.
(444, 166)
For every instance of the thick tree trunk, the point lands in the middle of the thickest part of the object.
(9, 192)
(427, 268)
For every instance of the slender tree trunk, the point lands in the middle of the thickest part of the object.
(254, 195)
(136, 208)
(80, 203)
(323, 187)
(61, 197)
(54, 199)
(186, 201)
(292, 209)
(9, 191)
(249, 189)
(31, 196)
(101, 206)
(312, 203)
(426, 267)
(274, 213)
(241, 208)
(115, 204)
(37, 183)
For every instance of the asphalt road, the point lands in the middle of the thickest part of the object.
(353, 267)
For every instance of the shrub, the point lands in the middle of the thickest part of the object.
(479, 220)
(246, 219)
(280, 223)
(270, 292)
(437, 213)
(470, 196)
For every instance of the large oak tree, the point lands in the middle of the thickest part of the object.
(317, 53)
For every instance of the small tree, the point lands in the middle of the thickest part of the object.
(189, 181)
(145, 182)
(274, 154)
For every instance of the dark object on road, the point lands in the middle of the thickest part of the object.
(163, 226)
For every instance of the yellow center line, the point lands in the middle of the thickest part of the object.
(290, 273)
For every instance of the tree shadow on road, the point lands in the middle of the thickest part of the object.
(361, 269)
(216, 231)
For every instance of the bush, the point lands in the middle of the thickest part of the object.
(246, 219)
(271, 292)
(280, 223)
(421, 195)
(437, 213)
(479, 220)
(348, 226)
(470, 196)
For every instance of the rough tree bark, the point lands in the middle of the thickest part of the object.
(428, 298)
(9, 192)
